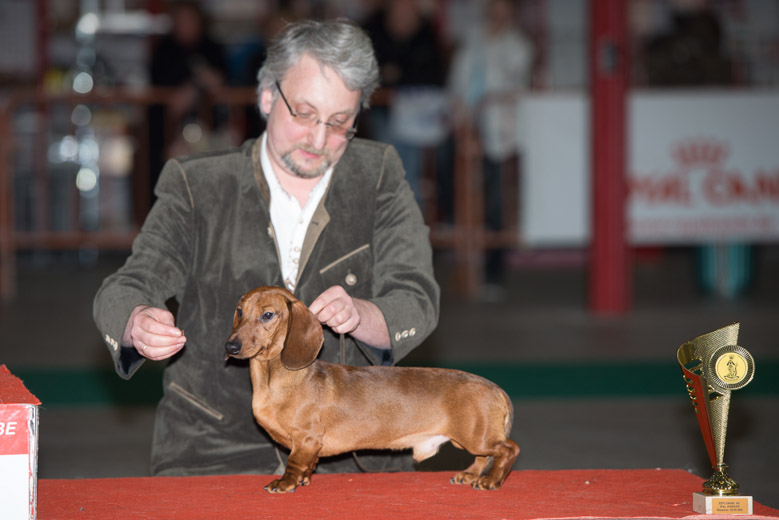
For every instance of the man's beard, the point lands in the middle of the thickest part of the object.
(299, 171)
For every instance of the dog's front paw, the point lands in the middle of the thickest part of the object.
(281, 486)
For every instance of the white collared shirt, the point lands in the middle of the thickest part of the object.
(289, 220)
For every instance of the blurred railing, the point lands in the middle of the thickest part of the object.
(27, 156)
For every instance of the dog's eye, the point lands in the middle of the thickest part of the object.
(267, 316)
(238, 313)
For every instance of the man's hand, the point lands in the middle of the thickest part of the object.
(336, 309)
(153, 333)
(347, 315)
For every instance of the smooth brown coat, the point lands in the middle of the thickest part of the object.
(317, 409)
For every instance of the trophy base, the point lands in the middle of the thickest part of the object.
(721, 505)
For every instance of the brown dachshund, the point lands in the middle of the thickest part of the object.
(317, 409)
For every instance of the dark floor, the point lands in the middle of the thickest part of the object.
(589, 391)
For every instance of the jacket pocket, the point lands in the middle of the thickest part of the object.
(350, 271)
(195, 401)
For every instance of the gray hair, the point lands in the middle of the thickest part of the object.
(339, 44)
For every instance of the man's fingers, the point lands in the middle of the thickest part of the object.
(155, 340)
(154, 335)
(336, 309)
(159, 329)
(322, 301)
(159, 322)
(159, 353)
(337, 313)
(346, 325)
(341, 318)
(329, 311)
(328, 296)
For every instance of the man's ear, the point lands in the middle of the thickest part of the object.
(304, 337)
(266, 101)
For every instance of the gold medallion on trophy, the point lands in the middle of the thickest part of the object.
(712, 366)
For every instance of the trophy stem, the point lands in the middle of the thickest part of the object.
(720, 483)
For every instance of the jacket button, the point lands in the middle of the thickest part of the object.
(397, 336)
(351, 279)
(111, 341)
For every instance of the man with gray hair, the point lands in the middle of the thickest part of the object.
(304, 206)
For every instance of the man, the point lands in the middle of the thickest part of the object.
(305, 207)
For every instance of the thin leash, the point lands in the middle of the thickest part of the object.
(343, 362)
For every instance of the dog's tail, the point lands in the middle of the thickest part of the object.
(509, 420)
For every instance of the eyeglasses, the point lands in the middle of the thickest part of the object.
(310, 120)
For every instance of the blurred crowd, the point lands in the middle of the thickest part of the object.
(451, 71)
(445, 66)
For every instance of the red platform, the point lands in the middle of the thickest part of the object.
(526, 494)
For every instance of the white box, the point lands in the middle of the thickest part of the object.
(18, 449)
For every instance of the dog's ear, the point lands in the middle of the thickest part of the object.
(304, 337)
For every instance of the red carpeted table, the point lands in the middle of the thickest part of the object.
(526, 494)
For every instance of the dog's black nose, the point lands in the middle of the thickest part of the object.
(232, 347)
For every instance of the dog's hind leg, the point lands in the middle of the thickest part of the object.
(504, 455)
(474, 471)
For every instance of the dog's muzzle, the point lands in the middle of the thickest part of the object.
(232, 348)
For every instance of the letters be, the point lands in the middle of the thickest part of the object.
(8, 428)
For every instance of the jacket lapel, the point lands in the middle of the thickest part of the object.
(262, 185)
(318, 223)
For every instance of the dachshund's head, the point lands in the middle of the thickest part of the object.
(270, 322)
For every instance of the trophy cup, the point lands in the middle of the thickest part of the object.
(712, 366)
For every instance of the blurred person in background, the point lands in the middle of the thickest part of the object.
(413, 67)
(304, 207)
(490, 70)
(692, 53)
(191, 61)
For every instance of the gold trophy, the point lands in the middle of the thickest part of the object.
(712, 366)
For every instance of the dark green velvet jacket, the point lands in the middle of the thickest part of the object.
(208, 239)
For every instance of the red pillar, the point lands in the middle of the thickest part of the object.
(610, 286)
